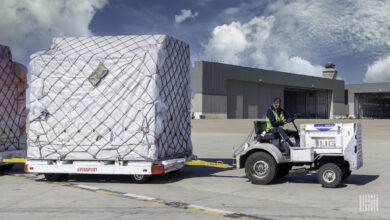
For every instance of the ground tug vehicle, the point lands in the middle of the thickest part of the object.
(332, 149)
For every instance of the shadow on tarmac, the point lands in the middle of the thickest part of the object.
(354, 179)
(200, 172)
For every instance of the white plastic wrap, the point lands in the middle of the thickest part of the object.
(107, 98)
(13, 84)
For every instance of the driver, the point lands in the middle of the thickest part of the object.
(276, 120)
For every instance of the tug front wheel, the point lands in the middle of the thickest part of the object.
(260, 168)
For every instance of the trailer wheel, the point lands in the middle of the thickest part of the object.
(260, 168)
(6, 167)
(330, 175)
(283, 170)
(55, 176)
(139, 178)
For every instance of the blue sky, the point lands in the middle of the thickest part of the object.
(293, 36)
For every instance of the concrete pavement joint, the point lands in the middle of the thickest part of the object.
(156, 201)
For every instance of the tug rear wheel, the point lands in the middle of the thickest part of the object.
(330, 175)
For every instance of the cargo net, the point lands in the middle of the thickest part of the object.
(12, 103)
(106, 98)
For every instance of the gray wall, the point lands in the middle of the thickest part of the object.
(216, 75)
(197, 77)
(249, 99)
(197, 85)
(210, 81)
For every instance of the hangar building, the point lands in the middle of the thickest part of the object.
(229, 91)
(370, 100)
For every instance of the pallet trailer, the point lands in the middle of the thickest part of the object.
(139, 171)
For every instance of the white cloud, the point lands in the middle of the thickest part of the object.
(185, 14)
(296, 65)
(331, 28)
(318, 30)
(379, 71)
(28, 26)
(227, 42)
(244, 44)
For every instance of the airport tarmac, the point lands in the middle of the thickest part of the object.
(207, 192)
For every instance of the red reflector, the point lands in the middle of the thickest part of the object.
(145, 170)
(157, 169)
(31, 168)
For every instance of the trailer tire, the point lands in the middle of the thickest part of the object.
(283, 170)
(55, 176)
(330, 175)
(138, 179)
(260, 168)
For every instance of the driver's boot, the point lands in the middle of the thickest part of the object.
(287, 146)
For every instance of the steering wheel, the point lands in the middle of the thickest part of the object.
(290, 119)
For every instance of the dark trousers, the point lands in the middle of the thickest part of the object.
(285, 134)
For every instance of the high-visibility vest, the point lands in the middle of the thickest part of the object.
(278, 118)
